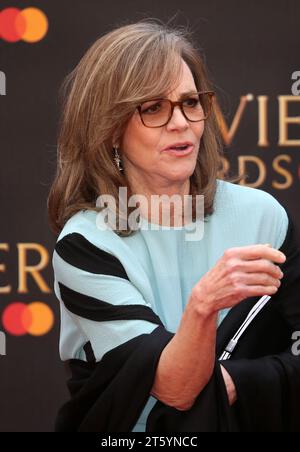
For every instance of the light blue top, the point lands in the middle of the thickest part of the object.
(162, 265)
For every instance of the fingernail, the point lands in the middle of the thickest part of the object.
(282, 255)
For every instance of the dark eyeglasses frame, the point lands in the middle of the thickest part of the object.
(180, 104)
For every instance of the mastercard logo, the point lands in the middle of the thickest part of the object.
(35, 319)
(29, 25)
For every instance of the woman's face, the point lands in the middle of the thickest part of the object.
(142, 148)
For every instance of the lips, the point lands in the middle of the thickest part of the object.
(180, 151)
(182, 145)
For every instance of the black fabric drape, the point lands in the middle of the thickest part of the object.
(109, 396)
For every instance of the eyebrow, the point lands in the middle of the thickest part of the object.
(181, 96)
(164, 96)
(187, 93)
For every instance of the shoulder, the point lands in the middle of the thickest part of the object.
(251, 209)
(88, 226)
(241, 197)
(85, 244)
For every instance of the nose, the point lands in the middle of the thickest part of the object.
(177, 121)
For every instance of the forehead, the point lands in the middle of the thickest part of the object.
(185, 83)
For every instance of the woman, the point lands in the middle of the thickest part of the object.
(147, 311)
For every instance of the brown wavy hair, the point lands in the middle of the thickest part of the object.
(121, 69)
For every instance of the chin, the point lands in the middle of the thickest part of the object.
(180, 173)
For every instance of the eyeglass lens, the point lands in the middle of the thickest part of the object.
(157, 112)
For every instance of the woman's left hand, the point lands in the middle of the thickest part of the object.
(230, 386)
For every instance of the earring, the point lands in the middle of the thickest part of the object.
(117, 159)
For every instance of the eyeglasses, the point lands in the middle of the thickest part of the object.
(158, 112)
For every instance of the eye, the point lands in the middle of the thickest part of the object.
(191, 102)
(151, 108)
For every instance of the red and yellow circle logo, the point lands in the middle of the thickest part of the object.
(29, 25)
(35, 318)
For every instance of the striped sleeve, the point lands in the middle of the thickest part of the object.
(93, 287)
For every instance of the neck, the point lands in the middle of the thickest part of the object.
(156, 205)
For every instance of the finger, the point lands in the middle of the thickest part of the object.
(261, 279)
(261, 266)
(253, 291)
(251, 252)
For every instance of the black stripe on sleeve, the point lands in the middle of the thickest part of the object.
(76, 250)
(101, 311)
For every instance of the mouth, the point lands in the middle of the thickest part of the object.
(179, 150)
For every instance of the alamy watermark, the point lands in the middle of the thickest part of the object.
(296, 85)
(296, 344)
(2, 84)
(2, 344)
(167, 212)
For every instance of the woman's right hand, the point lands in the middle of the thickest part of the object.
(240, 273)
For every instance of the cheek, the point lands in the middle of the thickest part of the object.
(198, 129)
(139, 141)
